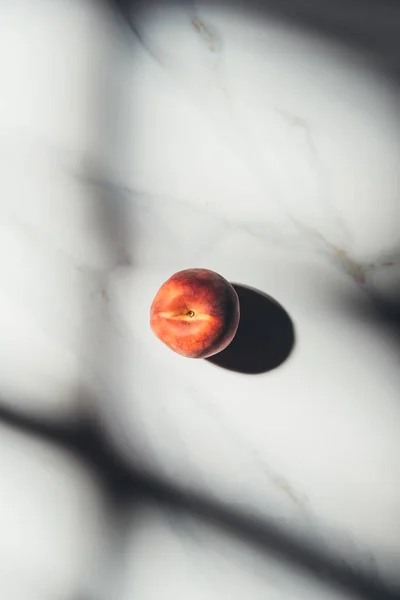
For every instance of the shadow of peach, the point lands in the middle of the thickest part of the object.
(265, 337)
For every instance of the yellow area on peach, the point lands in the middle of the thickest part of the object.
(185, 317)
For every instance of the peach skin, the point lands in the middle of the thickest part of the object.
(195, 313)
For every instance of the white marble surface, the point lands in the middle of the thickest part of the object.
(214, 138)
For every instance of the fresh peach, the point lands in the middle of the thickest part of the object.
(195, 313)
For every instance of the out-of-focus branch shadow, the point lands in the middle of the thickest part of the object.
(369, 25)
(126, 485)
(386, 312)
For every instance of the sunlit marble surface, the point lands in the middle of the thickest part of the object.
(212, 137)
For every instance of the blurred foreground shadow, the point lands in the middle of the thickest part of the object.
(365, 25)
(265, 336)
(126, 486)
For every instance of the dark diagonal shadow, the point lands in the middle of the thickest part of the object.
(370, 25)
(126, 486)
(265, 336)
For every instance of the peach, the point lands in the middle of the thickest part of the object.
(195, 313)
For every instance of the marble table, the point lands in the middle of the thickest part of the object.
(209, 136)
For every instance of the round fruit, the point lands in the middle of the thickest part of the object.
(195, 313)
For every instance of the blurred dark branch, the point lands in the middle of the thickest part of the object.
(368, 25)
(126, 485)
(371, 25)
